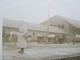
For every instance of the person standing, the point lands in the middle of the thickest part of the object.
(21, 42)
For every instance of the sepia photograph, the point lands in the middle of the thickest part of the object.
(40, 29)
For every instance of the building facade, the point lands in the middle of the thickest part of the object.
(36, 32)
(71, 26)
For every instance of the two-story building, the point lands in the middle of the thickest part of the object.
(71, 26)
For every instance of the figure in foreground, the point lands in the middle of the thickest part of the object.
(21, 42)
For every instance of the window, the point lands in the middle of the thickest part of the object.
(62, 26)
(51, 24)
(58, 26)
(54, 25)
(33, 34)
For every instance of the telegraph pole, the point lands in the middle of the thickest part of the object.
(48, 24)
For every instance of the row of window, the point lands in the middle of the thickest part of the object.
(59, 26)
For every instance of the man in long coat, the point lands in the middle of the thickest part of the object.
(21, 42)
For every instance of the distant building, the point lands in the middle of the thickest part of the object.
(38, 30)
(71, 26)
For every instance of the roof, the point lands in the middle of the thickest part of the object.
(11, 23)
(74, 22)
(32, 26)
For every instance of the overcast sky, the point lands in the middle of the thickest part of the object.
(36, 11)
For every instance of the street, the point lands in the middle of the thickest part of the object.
(45, 53)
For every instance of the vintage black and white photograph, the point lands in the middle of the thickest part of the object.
(40, 29)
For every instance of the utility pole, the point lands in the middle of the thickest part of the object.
(48, 24)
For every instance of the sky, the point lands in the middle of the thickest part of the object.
(36, 11)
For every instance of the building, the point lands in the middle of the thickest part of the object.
(38, 30)
(71, 26)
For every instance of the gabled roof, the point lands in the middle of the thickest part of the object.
(75, 23)
(32, 26)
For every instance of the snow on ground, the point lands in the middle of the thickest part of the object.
(37, 45)
(46, 51)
